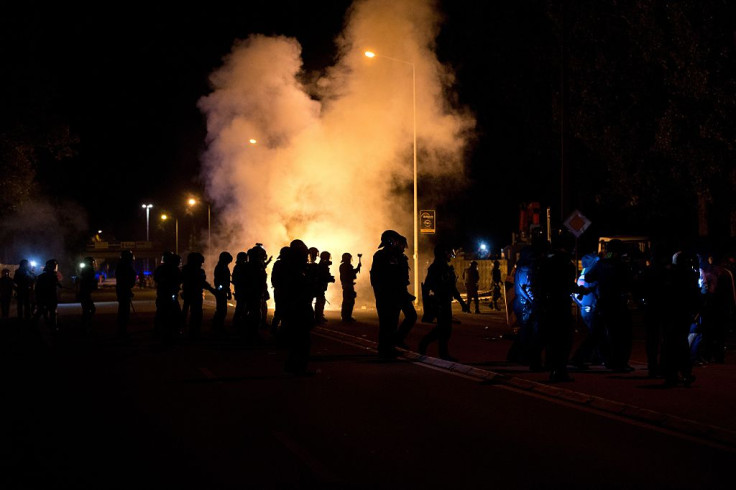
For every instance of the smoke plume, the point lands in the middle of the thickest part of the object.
(333, 158)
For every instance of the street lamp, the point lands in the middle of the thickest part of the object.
(147, 207)
(371, 54)
(164, 217)
(193, 202)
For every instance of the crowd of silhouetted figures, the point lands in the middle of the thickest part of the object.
(688, 302)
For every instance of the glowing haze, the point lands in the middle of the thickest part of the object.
(332, 162)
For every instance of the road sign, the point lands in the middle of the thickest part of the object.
(577, 223)
(427, 221)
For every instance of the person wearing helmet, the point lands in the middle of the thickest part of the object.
(680, 287)
(239, 287)
(47, 295)
(255, 290)
(87, 284)
(222, 292)
(441, 282)
(168, 319)
(348, 276)
(124, 282)
(277, 282)
(324, 278)
(194, 282)
(389, 279)
(296, 294)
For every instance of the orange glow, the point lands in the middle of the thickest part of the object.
(370, 54)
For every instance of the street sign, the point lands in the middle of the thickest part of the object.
(427, 221)
(577, 223)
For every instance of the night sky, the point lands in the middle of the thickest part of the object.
(127, 83)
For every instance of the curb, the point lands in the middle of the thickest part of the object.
(710, 433)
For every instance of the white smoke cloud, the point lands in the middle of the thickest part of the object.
(333, 161)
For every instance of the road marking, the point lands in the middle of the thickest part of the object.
(669, 424)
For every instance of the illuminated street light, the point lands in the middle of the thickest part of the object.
(147, 207)
(164, 217)
(193, 202)
(252, 141)
(371, 54)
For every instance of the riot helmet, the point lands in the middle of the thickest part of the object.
(225, 257)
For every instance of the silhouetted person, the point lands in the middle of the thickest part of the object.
(87, 284)
(24, 280)
(683, 301)
(324, 278)
(277, 282)
(48, 284)
(441, 282)
(238, 281)
(717, 299)
(348, 276)
(496, 285)
(7, 286)
(614, 280)
(194, 282)
(125, 276)
(266, 295)
(168, 279)
(222, 292)
(472, 278)
(407, 304)
(389, 278)
(296, 304)
(554, 285)
(256, 289)
(313, 272)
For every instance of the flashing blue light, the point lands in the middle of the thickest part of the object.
(483, 247)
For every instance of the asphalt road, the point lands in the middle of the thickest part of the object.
(97, 412)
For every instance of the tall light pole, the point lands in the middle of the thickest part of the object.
(193, 202)
(176, 231)
(371, 54)
(147, 207)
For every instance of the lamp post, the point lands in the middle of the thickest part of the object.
(371, 54)
(147, 207)
(164, 217)
(193, 202)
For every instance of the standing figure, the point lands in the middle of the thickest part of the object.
(238, 281)
(324, 278)
(277, 282)
(194, 282)
(167, 276)
(496, 285)
(297, 292)
(125, 276)
(526, 306)
(472, 278)
(407, 304)
(554, 286)
(47, 295)
(87, 284)
(615, 281)
(348, 276)
(6, 292)
(24, 279)
(256, 289)
(681, 289)
(222, 292)
(441, 282)
(389, 279)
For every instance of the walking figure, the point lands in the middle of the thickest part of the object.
(441, 282)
